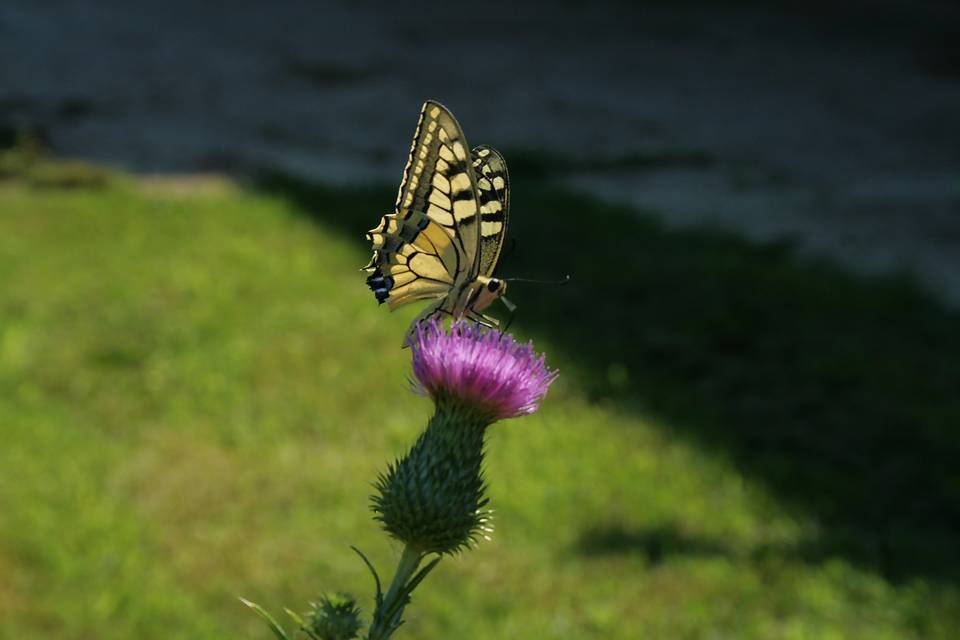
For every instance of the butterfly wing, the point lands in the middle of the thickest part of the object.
(414, 258)
(439, 181)
(431, 243)
(493, 193)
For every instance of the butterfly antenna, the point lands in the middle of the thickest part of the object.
(563, 280)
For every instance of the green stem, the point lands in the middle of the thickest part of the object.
(387, 616)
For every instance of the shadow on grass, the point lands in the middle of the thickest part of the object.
(838, 393)
(655, 544)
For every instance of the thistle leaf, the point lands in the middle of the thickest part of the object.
(296, 617)
(271, 622)
(417, 579)
(373, 572)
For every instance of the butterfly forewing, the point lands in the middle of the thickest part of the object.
(438, 181)
(493, 193)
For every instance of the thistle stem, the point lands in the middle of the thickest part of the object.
(387, 617)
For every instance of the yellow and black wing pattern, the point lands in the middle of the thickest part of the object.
(445, 236)
(414, 259)
(493, 194)
(438, 179)
(431, 243)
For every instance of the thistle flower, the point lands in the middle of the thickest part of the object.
(433, 498)
(484, 372)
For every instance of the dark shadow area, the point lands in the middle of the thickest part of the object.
(838, 393)
(655, 544)
(663, 544)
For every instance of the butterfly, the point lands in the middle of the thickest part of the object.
(444, 239)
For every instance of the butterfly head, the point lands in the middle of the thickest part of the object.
(487, 291)
(497, 286)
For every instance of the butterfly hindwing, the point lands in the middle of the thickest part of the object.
(493, 193)
(414, 258)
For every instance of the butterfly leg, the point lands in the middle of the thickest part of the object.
(512, 309)
(485, 320)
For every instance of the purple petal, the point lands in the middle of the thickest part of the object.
(482, 369)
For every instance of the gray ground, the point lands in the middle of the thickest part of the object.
(838, 128)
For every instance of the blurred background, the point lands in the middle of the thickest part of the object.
(754, 434)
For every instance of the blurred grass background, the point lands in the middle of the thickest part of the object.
(197, 389)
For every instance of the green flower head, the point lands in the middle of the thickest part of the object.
(334, 617)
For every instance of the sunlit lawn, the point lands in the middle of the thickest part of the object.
(197, 390)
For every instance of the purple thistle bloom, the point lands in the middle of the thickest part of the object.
(481, 370)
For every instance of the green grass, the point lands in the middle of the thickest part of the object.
(197, 390)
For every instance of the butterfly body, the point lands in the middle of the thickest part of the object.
(444, 238)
